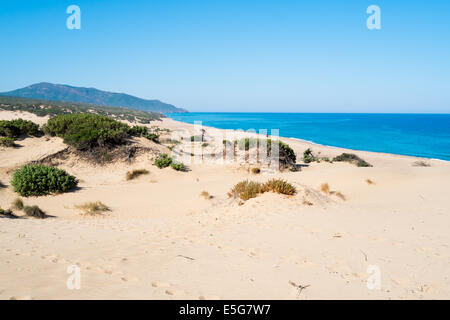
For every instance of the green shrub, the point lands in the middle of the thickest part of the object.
(7, 142)
(352, 158)
(87, 131)
(163, 161)
(178, 166)
(138, 131)
(308, 156)
(34, 211)
(152, 136)
(16, 128)
(38, 180)
(287, 155)
(196, 138)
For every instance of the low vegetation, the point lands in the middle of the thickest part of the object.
(286, 155)
(325, 188)
(279, 186)
(35, 212)
(246, 190)
(136, 173)
(178, 166)
(206, 195)
(54, 108)
(18, 127)
(93, 208)
(38, 180)
(249, 189)
(152, 137)
(256, 170)
(340, 195)
(7, 142)
(7, 213)
(352, 158)
(421, 163)
(163, 161)
(17, 204)
(196, 138)
(88, 131)
(308, 156)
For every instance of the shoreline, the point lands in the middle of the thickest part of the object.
(312, 143)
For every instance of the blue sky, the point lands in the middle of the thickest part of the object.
(262, 56)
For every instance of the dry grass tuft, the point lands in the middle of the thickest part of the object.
(206, 195)
(17, 204)
(34, 211)
(340, 195)
(249, 189)
(7, 214)
(306, 202)
(136, 173)
(325, 188)
(369, 181)
(246, 190)
(256, 170)
(93, 208)
(279, 186)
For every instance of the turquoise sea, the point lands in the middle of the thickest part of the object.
(422, 135)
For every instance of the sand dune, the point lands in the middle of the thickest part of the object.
(162, 240)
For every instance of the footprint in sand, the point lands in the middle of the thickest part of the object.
(21, 298)
(174, 292)
(129, 279)
(158, 284)
(208, 298)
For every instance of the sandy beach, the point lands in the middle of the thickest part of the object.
(162, 240)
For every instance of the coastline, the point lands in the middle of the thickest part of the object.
(306, 143)
(382, 133)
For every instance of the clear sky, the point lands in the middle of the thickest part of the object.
(237, 55)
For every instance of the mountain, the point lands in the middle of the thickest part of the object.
(61, 92)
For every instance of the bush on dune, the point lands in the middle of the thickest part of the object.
(18, 127)
(7, 142)
(246, 190)
(17, 204)
(35, 212)
(38, 180)
(87, 131)
(249, 189)
(7, 213)
(308, 156)
(352, 158)
(163, 161)
(135, 173)
(178, 166)
(279, 186)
